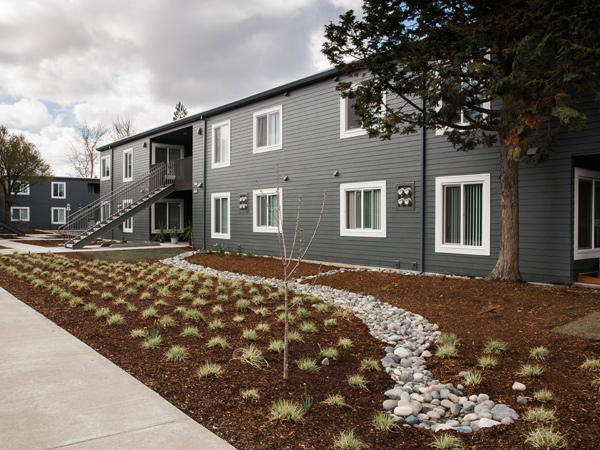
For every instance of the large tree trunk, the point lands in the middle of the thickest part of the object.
(507, 267)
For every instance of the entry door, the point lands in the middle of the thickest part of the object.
(166, 153)
(587, 213)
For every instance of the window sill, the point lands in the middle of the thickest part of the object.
(463, 250)
(220, 236)
(220, 165)
(269, 148)
(363, 233)
(265, 229)
(353, 133)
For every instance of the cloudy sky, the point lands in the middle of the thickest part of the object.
(63, 62)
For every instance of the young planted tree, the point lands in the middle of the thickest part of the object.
(21, 165)
(83, 155)
(289, 263)
(180, 111)
(507, 73)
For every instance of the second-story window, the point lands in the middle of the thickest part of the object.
(59, 190)
(221, 138)
(128, 165)
(105, 167)
(267, 129)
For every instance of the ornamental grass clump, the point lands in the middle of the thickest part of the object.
(138, 333)
(357, 380)
(487, 361)
(347, 441)
(447, 338)
(167, 321)
(382, 421)
(285, 410)
(308, 327)
(209, 369)
(543, 395)
(473, 377)
(218, 341)
(591, 363)
(330, 322)
(276, 345)
(249, 334)
(250, 394)
(152, 341)
(216, 324)
(370, 364)
(194, 314)
(345, 343)
(295, 336)
(530, 370)
(540, 414)
(176, 353)
(264, 327)
(447, 441)
(335, 400)
(329, 352)
(114, 319)
(446, 350)
(495, 347)
(242, 305)
(539, 353)
(238, 318)
(217, 309)
(149, 312)
(308, 365)
(190, 331)
(102, 312)
(545, 438)
(251, 355)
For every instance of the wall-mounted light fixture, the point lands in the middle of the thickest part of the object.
(286, 178)
(336, 173)
(286, 94)
(532, 151)
(336, 79)
(200, 131)
(145, 145)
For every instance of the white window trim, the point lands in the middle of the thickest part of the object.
(126, 229)
(64, 210)
(226, 162)
(344, 133)
(344, 209)
(26, 191)
(64, 189)
(171, 200)
(588, 252)
(26, 208)
(129, 151)
(440, 246)
(213, 233)
(169, 147)
(267, 148)
(102, 165)
(260, 193)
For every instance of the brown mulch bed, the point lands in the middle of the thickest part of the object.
(476, 310)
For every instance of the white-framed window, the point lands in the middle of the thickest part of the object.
(59, 216)
(128, 164)
(19, 214)
(105, 210)
(267, 133)
(59, 189)
(105, 167)
(220, 215)
(128, 224)
(363, 209)
(349, 124)
(221, 142)
(462, 214)
(167, 214)
(166, 153)
(587, 214)
(267, 205)
(22, 188)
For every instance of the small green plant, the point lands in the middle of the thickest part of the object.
(530, 370)
(295, 336)
(194, 314)
(131, 307)
(336, 400)
(301, 311)
(114, 319)
(177, 353)
(138, 333)
(447, 441)
(190, 331)
(242, 305)
(220, 248)
(262, 311)
(308, 365)
(543, 395)
(308, 327)
(264, 327)
(216, 324)
(545, 438)
(102, 312)
(218, 341)
(382, 421)
(448, 338)
(152, 341)
(495, 347)
(167, 321)
(473, 377)
(251, 355)
(238, 318)
(90, 307)
(370, 364)
(486, 361)
(249, 334)
(306, 400)
(446, 350)
(199, 302)
(249, 254)
(596, 383)
(149, 312)
(258, 299)
(345, 343)
(540, 414)
(591, 363)
(285, 410)
(347, 441)
(217, 309)
(328, 352)
(276, 345)
(357, 380)
(106, 296)
(250, 394)
(330, 322)
(209, 369)
(539, 353)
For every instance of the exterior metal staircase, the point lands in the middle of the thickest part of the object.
(12, 229)
(121, 204)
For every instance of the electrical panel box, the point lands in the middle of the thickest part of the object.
(244, 202)
(405, 196)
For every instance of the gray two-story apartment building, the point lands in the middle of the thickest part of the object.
(412, 202)
(48, 205)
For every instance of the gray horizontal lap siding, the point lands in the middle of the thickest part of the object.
(312, 151)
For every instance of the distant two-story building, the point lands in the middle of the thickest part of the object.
(49, 205)
(412, 202)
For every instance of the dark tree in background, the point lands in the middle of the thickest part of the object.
(180, 111)
(507, 72)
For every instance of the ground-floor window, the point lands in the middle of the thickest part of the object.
(19, 214)
(587, 213)
(267, 206)
(167, 214)
(59, 215)
(105, 211)
(128, 224)
(220, 215)
(363, 209)
(462, 214)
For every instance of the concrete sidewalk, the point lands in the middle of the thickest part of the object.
(56, 392)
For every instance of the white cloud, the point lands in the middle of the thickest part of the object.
(26, 113)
